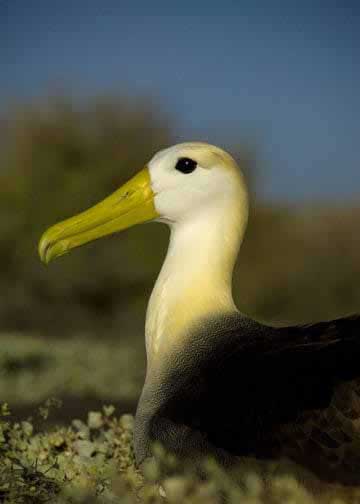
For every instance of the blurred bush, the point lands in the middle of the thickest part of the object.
(300, 265)
(58, 157)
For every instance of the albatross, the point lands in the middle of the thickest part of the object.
(217, 382)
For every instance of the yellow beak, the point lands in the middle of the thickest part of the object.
(132, 204)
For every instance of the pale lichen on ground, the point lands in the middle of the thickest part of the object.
(93, 462)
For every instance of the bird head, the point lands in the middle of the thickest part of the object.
(177, 185)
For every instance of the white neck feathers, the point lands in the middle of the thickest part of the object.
(196, 277)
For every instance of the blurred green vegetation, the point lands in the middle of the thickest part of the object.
(33, 368)
(300, 264)
(59, 157)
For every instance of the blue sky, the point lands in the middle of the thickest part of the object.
(285, 75)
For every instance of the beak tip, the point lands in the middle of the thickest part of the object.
(44, 248)
(50, 249)
(45, 260)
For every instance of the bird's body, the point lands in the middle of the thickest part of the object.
(239, 388)
(218, 382)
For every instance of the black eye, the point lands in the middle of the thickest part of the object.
(186, 165)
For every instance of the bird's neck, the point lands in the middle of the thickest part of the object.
(196, 277)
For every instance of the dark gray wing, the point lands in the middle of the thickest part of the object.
(249, 389)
